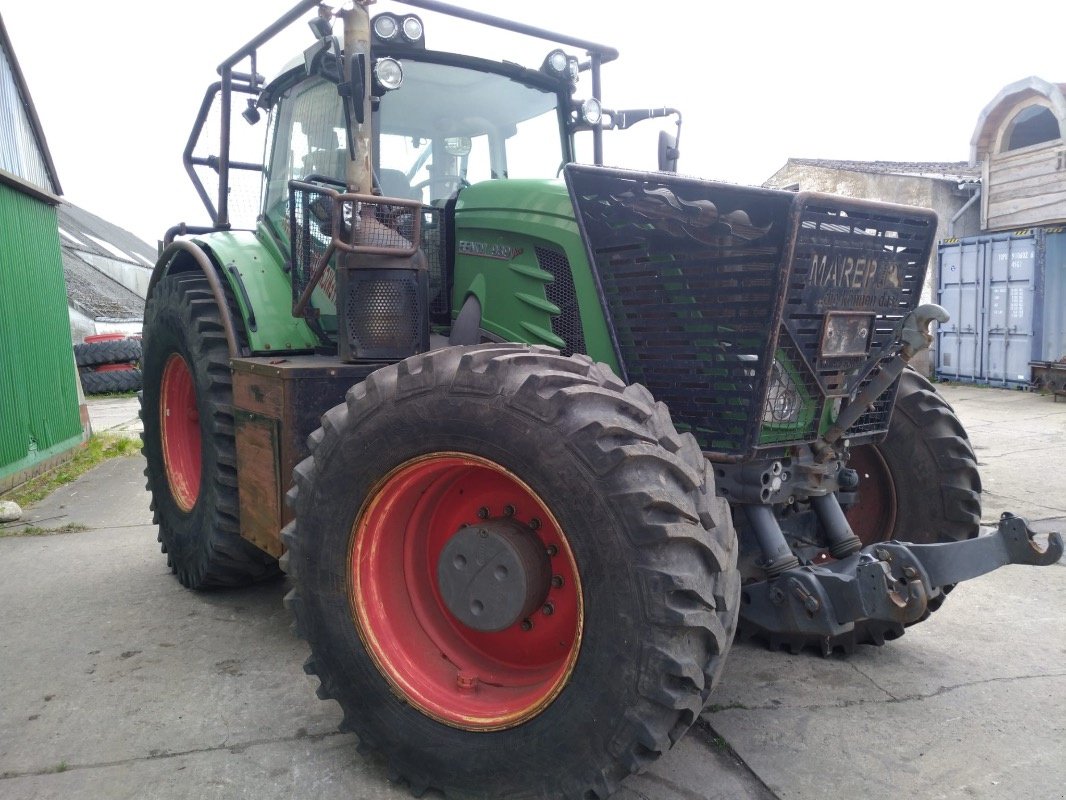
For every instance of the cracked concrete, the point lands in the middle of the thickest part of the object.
(118, 683)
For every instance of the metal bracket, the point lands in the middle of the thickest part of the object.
(1012, 543)
(874, 594)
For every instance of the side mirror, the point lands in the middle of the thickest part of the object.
(668, 152)
(354, 90)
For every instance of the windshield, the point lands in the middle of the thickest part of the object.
(445, 128)
(451, 126)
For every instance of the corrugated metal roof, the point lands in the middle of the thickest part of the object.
(89, 244)
(87, 226)
(960, 171)
(96, 295)
(23, 149)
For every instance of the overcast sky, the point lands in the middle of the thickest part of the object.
(117, 83)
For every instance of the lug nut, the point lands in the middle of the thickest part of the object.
(483, 513)
(527, 625)
(557, 581)
(534, 523)
(508, 511)
(552, 550)
(548, 609)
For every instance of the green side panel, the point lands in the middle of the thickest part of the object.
(499, 225)
(267, 291)
(38, 391)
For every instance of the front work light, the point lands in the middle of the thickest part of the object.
(386, 27)
(556, 63)
(590, 111)
(412, 28)
(388, 73)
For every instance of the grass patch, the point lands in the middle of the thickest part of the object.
(112, 395)
(35, 530)
(96, 450)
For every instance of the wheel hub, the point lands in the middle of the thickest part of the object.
(493, 574)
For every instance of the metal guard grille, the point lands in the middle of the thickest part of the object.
(309, 227)
(309, 238)
(689, 276)
(436, 247)
(861, 257)
(701, 296)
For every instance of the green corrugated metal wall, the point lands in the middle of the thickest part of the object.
(39, 415)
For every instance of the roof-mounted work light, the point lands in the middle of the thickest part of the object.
(391, 29)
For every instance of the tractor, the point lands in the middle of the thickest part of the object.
(530, 437)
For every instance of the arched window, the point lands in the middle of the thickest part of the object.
(1032, 125)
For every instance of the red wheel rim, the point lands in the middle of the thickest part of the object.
(104, 337)
(459, 676)
(180, 426)
(123, 367)
(873, 518)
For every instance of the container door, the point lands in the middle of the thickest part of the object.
(1010, 288)
(987, 284)
(960, 340)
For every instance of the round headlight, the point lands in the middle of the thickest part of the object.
(385, 26)
(412, 28)
(388, 73)
(557, 61)
(783, 404)
(591, 111)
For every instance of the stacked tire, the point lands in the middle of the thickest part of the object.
(109, 363)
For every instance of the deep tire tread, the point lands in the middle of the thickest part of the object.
(216, 556)
(110, 382)
(685, 552)
(117, 351)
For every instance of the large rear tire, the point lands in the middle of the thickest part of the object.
(616, 661)
(187, 412)
(921, 484)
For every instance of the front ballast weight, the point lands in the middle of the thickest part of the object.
(362, 253)
(871, 596)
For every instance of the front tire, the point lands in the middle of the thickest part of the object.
(643, 592)
(920, 484)
(187, 412)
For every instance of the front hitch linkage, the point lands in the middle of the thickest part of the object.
(872, 595)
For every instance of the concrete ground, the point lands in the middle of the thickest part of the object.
(115, 682)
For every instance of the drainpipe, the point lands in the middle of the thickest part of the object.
(965, 207)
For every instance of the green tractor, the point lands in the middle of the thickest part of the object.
(531, 437)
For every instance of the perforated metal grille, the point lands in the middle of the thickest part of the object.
(691, 284)
(383, 309)
(567, 324)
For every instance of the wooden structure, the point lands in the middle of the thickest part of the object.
(1020, 141)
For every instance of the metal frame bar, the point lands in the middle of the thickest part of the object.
(599, 54)
(251, 83)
